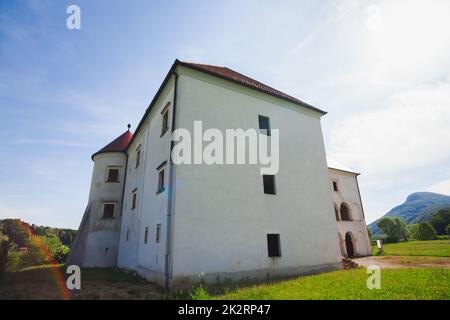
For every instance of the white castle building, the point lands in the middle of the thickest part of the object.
(170, 223)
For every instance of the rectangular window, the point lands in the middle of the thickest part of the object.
(113, 175)
(108, 210)
(273, 245)
(269, 184)
(146, 235)
(133, 199)
(138, 156)
(264, 125)
(158, 231)
(161, 169)
(335, 186)
(165, 119)
(128, 234)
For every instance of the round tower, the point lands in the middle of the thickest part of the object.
(98, 236)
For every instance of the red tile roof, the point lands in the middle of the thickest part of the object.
(241, 79)
(120, 144)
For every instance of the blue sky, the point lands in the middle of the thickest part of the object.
(380, 68)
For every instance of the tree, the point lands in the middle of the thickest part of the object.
(394, 228)
(61, 253)
(440, 220)
(4, 246)
(16, 230)
(413, 230)
(426, 231)
(448, 229)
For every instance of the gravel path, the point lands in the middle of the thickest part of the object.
(393, 262)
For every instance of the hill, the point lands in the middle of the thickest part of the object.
(418, 207)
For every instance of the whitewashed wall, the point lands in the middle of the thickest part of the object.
(101, 246)
(222, 216)
(348, 192)
(151, 208)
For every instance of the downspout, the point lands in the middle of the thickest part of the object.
(170, 196)
(123, 203)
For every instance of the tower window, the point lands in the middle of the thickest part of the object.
(269, 184)
(264, 125)
(335, 186)
(133, 199)
(108, 210)
(146, 235)
(273, 245)
(165, 119)
(158, 232)
(128, 234)
(113, 175)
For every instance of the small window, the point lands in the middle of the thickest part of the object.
(264, 125)
(133, 199)
(161, 169)
(113, 175)
(138, 156)
(146, 235)
(158, 232)
(269, 184)
(128, 234)
(273, 245)
(108, 210)
(335, 186)
(165, 119)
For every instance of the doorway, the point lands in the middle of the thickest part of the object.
(349, 245)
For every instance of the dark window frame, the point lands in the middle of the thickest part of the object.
(264, 129)
(138, 156)
(158, 233)
(335, 186)
(108, 215)
(269, 185)
(273, 245)
(146, 235)
(133, 199)
(108, 175)
(165, 119)
(161, 177)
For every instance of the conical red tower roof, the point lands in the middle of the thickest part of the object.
(120, 144)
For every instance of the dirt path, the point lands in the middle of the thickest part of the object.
(393, 262)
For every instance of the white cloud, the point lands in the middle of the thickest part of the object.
(441, 187)
(410, 130)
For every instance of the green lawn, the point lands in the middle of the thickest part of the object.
(397, 284)
(436, 248)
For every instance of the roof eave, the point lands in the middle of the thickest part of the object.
(300, 103)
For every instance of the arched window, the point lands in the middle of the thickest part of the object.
(345, 212)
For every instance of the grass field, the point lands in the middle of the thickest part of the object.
(396, 284)
(435, 248)
(414, 282)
